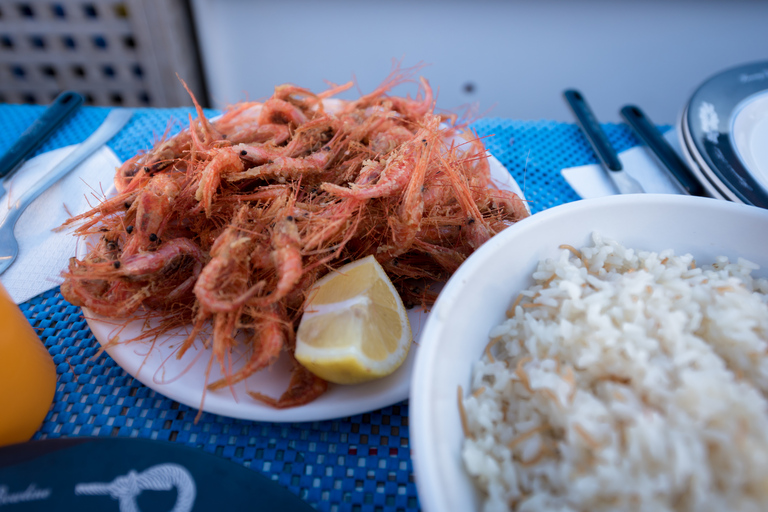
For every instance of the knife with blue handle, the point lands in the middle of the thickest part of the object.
(9, 247)
(648, 133)
(625, 183)
(38, 132)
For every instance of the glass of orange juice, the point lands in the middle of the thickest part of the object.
(27, 375)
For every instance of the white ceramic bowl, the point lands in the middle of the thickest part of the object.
(477, 296)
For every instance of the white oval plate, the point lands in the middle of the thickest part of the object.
(478, 294)
(156, 366)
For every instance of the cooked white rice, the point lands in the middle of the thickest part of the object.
(625, 380)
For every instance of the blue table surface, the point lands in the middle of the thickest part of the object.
(358, 463)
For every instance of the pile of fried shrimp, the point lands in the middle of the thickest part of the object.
(226, 225)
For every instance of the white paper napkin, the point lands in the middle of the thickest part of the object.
(43, 252)
(639, 162)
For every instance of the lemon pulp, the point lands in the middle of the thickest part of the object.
(355, 327)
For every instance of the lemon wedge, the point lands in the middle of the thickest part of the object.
(355, 327)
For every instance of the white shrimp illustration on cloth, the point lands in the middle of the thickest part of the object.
(162, 477)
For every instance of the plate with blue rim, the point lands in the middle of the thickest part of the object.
(725, 125)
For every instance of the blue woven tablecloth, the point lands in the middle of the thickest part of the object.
(361, 463)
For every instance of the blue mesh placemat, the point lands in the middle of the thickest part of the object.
(361, 463)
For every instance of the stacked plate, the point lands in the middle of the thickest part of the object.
(724, 134)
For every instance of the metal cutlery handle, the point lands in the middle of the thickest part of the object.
(649, 134)
(61, 108)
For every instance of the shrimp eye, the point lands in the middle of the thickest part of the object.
(290, 217)
(116, 264)
(127, 205)
(129, 229)
(243, 153)
(327, 148)
(147, 170)
(470, 221)
(152, 237)
(424, 141)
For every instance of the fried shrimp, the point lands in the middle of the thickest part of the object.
(226, 225)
